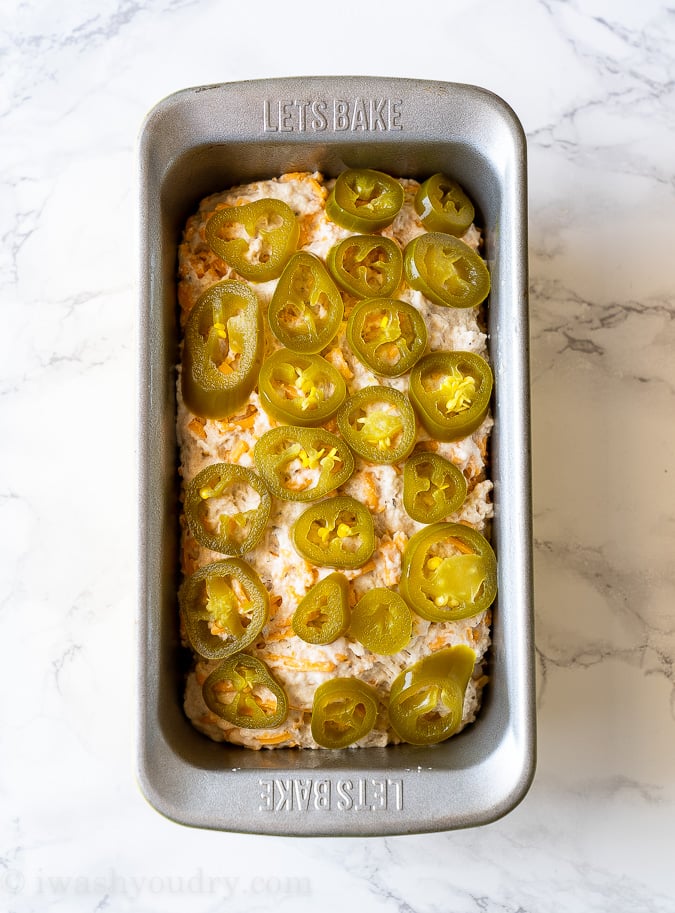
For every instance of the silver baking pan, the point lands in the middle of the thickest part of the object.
(203, 140)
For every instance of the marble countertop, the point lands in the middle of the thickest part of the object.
(592, 83)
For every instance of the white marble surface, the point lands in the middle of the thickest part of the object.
(593, 84)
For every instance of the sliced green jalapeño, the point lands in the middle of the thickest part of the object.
(449, 572)
(386, 335)
(366, 266)
(443, 206)
(426, 700)
(224, 606)
(378, 423)
(323, 614)
(235, 531)
(451, 393)
(344, 711)
(255, 239)
(363, 200)
(222, 350)
(299, 388)
(381, 621)
(446, 270)
(433, 487)
(302, 464)
(242, 691)
(306, 309)
(337, 532)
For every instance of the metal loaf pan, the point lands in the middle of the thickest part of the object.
(202, 140)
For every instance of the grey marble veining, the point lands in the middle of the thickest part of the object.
(593, 83)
